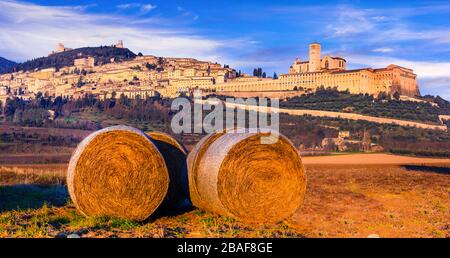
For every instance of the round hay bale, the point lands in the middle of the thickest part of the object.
(174, 154)
(234, 174)
(117, 171)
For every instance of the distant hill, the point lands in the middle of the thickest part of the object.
(6, 64)
(101, 54)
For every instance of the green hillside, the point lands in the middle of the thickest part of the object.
(381, 106)
(6, 64)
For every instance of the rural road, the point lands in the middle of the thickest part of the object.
(372, 159)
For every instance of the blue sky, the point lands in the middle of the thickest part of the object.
(243, 34)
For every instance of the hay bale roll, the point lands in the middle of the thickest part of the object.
(117, 171)
(234, 174)
(174, 154)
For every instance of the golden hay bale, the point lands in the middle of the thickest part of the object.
(117, 171)
(174, 154)
(234, 174)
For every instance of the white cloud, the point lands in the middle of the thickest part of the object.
(144, 8)
(373, 25)
(404, 33)
(347, 20)
(128, 5)
(187, 13)
(379, 18)
(383, 50)
(147, 7)
(30, 30)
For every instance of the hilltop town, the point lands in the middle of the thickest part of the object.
(148, 75)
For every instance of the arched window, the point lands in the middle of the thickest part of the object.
(327, 64)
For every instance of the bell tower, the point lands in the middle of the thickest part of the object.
(314, 57)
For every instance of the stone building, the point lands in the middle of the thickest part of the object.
(3, 96)
(119, 44)
(332, 72)
(316, 63)
(59, 48)
(171, 77)
(84, 63)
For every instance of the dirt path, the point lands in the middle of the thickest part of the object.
(339, 159)
(373, 159)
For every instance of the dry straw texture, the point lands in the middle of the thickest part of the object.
(117, 171)
(234, 174)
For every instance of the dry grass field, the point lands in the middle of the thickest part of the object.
(366, 195)
(387, 200)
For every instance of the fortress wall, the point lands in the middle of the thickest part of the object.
(260, 94)
(258, 85)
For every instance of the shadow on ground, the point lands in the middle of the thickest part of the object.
(419, 168)
(22, 197)
(161, 213)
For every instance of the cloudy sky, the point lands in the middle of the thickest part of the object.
(243, 34)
